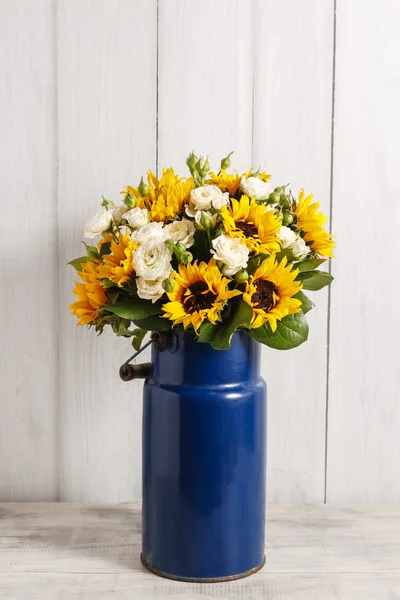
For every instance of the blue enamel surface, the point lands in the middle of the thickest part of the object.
(204, 437)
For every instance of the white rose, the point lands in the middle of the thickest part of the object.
(150, 289)
(255, 188)
(232, 252)
(137, 217)
(205, 198)
(118, 213)
(293, 242)
(287, 236)
(152, 260)
(200, 213)
(300, 248)
(221, 199)
(180, 231)
(149, 232)
(99, 223)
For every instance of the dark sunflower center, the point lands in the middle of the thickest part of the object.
(249, 229)
(200, 297)
(264, 296)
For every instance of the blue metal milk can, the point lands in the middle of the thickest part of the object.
(204, 460)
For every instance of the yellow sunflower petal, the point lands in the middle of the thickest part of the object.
(310, 221)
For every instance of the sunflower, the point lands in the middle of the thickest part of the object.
(117, 265)
(311, 222)
(91, 294)
(200, 293)
(166, 196)
(253, 223)
(270, 292)
(231, 182)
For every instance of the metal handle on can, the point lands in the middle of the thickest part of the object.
(128, 372)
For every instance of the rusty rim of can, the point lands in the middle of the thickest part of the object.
(203, 579)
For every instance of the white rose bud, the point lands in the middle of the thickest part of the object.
(180, 231)
(300, 248)
(118, 213)
(149, 232)
(152, 260)
(206, 197)
(255, 188)
(150, 290)
(99, 223)
(232, 252)
(199, 217)
(287, 236)
(137, 217)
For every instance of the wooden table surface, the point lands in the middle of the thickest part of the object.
(72, 551)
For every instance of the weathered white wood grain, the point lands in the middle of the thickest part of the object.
(364, 384)
(141, 586)
(205, 81)
(28, 247)
(92, 551)
(292, 139)
(107, 117)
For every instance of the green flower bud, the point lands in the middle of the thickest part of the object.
(256, 174)
(168, 284)
(241, 276)
(287, 219)
(191, 161)
(186, 258)
(203, 166)
(205, 221)
(106, 203)
(217, 232)
(170, 244)
(143, 188)
(130, 201)
(179, 247)
(279, 190)
(274, 198)
(225, 162)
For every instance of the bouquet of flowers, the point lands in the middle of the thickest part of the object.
(211, 253)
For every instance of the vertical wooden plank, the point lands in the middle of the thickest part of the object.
(107, 115)
(364, 384)
(205, 81)
(28, 247)
(292, 140)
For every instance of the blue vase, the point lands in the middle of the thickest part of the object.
(204, 439)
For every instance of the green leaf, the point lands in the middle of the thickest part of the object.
(91, 251)
(206, 332)
(309, 264)
(255, 262)
(133, 308)
(285, 252)
(107, 283)
(291, 331)
(153, 323)
(77, 263)
(201, 246)
(306, 303)
(137, 338)
(105, 248)
(314, 280)
(224, 331)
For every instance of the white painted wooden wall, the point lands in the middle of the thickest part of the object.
(94, 92)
